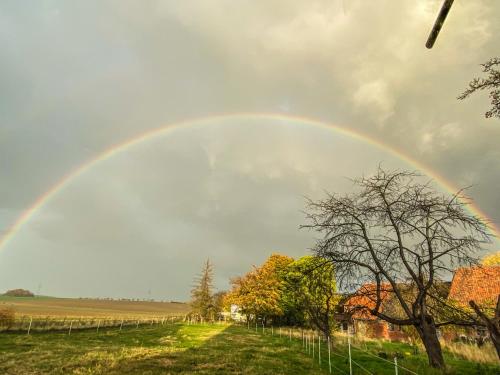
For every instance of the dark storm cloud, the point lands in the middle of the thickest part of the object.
(78, 77)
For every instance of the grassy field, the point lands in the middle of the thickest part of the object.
(203, 349)
(73, 307)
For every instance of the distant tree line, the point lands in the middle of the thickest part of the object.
(19, 293)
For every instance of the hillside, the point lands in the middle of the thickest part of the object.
(43, 306)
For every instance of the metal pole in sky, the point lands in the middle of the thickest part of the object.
(445, 8)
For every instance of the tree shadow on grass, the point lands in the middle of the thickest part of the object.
(180, 349)
(231, 350)
(82, 352)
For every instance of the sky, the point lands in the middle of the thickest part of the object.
(77, 78)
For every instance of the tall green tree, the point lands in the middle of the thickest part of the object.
(311, 281)
(202, 292)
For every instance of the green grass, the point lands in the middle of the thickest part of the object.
(202, 349)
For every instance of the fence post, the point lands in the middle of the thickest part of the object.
(272, 331)
(319, 350)
(329, 360)
(396, 365)
(349, 343)
(70, 326)
(121, 325)
(137, 325)
(314, 343)
(98, 325)
(29, 328)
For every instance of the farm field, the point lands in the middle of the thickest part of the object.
(74, 307)
(204, 349)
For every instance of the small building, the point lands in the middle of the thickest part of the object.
(356, 315)
(480, 284)
(233, 314)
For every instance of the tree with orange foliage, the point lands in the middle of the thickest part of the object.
(258, 293)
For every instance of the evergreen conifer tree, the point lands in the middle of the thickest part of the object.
(202, 292)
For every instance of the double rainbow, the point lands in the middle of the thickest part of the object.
(121, 147)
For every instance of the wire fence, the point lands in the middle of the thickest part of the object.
(323, 350)
(31, 324)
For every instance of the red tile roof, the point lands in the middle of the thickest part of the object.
(365, 299)
(480, 284)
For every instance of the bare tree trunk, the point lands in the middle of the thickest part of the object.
(492, 324)
(428, 333)
(325, 329)
(495, 339)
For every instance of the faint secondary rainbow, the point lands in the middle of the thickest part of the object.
(120, 147)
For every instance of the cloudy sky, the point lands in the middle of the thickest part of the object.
(78, 77)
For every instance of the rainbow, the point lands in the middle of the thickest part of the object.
(120, 147)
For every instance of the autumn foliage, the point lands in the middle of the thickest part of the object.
(259, 292)
(287, 291)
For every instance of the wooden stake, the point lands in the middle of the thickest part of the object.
(329, 360)
(350, 360)
(319, 349)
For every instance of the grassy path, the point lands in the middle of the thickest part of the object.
(188, 349)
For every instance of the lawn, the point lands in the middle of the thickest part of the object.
(203, 349)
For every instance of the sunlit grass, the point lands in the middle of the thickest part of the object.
(202, 349)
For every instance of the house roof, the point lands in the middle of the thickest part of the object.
(479, 284)
(365, 300)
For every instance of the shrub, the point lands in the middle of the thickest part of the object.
(7, 317)
(19, 293)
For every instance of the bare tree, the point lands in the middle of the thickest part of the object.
(491, 82)
(398, 235)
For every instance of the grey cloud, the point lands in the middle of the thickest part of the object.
(77, 78)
